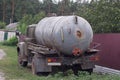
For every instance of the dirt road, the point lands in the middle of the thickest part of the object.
(2, 55)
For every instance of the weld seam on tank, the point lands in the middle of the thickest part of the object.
(44, 32)
(62, 34)
(47, 43)
(58, 21)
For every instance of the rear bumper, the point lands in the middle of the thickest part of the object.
(84, 62)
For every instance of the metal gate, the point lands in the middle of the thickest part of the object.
(109, 50)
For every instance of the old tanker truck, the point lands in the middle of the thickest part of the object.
(61, 42)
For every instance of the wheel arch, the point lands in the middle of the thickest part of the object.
(18, 49)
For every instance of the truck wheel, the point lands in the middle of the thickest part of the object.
(90, 71)
(21, 62)
(76, 68)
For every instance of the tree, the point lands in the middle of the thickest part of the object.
(14, 10)
(67, 7)
(103, 15)
(28, 20)
(4, 9)
(48, 6)
(2, 25)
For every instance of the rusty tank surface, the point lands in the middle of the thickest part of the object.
(64, 33)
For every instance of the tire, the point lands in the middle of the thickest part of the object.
(21, 62)
(90, 71)
(43, 73)
(76, 68)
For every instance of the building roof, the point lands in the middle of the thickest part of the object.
(12, 26)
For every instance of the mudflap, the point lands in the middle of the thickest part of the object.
(87, 65)
(39, 65)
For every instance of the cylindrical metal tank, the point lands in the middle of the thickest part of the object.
(64, 33)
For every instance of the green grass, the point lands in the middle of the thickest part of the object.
(12, 71)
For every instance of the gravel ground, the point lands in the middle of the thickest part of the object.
(2, 76)
(2, 54)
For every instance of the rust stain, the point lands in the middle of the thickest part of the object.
(79, 34)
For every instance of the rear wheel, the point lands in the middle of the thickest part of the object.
(90, 71)
(76, 68)
(43, 73)
(21, 61)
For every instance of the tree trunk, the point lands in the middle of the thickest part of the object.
(12, 13)
(4, 9)
(62, 7)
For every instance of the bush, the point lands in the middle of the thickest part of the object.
(2, 25)
(11, 42)
(22, 28)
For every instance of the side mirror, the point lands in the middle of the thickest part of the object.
(18, 33)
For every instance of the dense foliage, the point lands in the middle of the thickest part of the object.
(103, 15)
(2, 25)
(16, 9)
(28, 20)
(11, 42)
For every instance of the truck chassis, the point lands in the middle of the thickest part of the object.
(44, 60)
